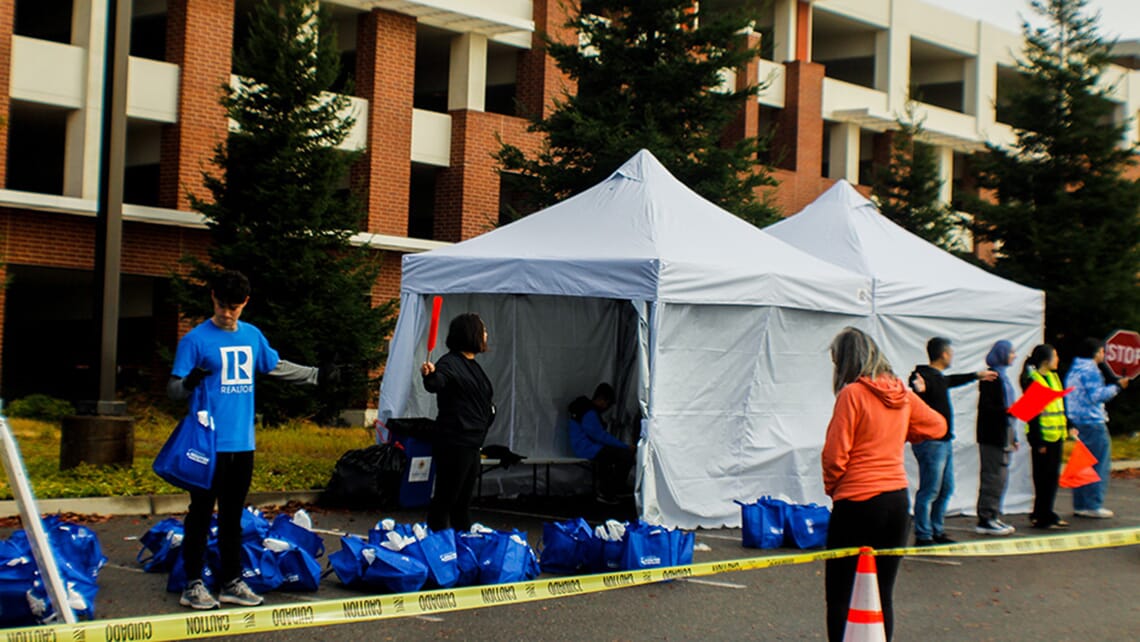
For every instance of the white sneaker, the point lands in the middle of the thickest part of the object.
(1008, 527)
(1096, 513)
(238, 592)
(197, 596)
(993, 527)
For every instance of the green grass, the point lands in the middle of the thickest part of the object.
(1126, 447)
(297, 456)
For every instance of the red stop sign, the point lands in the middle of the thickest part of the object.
(1122, 353)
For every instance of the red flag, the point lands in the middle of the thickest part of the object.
(1079, 469)
(433, 329)
(1033, 402)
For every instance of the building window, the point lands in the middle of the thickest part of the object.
(502, 79)
(148, 30)
(421, 201)
(140, 175)
(937, 76)
(1009, 82)
(37, 137)
(433, 63)
(44, 19)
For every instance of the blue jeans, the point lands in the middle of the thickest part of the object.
(935, 486)
(1095, 438)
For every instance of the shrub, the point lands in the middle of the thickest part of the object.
(40, 407)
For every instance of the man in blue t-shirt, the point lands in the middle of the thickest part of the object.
(224, 355)
(590, 440)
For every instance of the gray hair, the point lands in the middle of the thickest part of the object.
(856, 355)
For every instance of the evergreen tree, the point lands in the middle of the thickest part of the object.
(279, 213)
(1063, 216)
(908, 187)
(649, 75)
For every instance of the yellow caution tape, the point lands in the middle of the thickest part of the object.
(262, 619)
(1028, 545)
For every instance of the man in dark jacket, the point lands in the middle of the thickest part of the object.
(936, 456)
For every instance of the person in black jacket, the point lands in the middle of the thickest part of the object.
(936, 456)
(996, 439)
(466, 410)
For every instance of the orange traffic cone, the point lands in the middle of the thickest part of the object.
(865, 616)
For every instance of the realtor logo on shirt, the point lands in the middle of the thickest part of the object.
(237, 366)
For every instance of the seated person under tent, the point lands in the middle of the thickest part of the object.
(590, 439)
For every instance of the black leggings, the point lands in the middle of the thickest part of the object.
(882, 521)
(232, 475)
(456, 469)
(1046, 469)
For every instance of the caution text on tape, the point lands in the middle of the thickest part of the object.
(263, 619)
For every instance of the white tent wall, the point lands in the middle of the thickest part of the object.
(543, 351)
(903, 339)
(919, 292)
(742, 398)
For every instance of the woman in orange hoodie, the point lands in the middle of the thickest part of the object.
(875, 414)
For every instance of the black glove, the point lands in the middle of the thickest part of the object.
(191, 381)
(328, 374)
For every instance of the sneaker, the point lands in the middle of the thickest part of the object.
(238, 592)
(940, 538)
(197, 596)
(1095, 513)
(923, 542)
(993, 527)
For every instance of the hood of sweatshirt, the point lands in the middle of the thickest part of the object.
(887, 388)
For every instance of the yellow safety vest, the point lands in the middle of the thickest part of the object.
(1052, 419)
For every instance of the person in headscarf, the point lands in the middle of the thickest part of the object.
(996, 439)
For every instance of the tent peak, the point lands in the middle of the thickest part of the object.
(639, 166)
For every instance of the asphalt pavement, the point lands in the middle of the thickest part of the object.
(1087, 595)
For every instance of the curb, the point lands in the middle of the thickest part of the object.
(147, 504)
(171, 504)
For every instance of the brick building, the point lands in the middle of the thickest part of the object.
(437, 84)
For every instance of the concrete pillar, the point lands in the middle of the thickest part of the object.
(7, 25)
(843, 160)
(784, 31)
(199, 39)
(467, 74)
(386, 77)
(980, 86)
(892, 61)
(81, 155)
(945, 156)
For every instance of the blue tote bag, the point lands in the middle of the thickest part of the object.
(565, 546)
(807, 525)
(188, 457)
(763, 522)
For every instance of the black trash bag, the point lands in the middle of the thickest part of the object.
(366, 478)
(422, 428)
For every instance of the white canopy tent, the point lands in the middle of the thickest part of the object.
(921, 291)
(715, 332)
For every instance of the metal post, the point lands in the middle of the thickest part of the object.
(109, 225)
